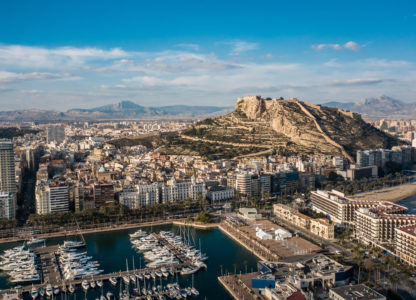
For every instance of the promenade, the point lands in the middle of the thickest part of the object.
(89, 230)
(236, 287)
(247, 242)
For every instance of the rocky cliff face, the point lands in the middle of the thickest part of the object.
(290, 127)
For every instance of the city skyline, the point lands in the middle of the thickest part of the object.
(61, 56)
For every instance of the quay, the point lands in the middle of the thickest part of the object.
(236, 287)
(63, 284)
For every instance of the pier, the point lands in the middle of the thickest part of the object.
(172, 249)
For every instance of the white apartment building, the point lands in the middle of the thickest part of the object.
(172, 191)
(219, 194)
(51, 198)
(243, 183)
(141, 195)
(180, 190)
(339, 208)
(405, 244)
(377, 225)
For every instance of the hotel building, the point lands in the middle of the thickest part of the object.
(405, 240)
(377, 225)
(339, 208)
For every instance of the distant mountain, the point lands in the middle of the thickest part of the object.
(380, 107)
(120, 110)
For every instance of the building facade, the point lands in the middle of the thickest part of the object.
(7, 208)
(339, 208)
(405, 244)
(7, 173)
(377, 225)
(55, 134)
(51, 198)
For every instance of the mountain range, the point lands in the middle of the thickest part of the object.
(118, 111)
(380, 107)
(369, 108)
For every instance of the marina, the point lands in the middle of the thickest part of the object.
(111, 250)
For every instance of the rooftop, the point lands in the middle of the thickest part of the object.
(357, 292)
(410, 229)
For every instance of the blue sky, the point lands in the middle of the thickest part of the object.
(66, 54)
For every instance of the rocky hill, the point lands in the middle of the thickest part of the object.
(288, 127)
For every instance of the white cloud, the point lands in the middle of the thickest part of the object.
(384, 63)
(17, 56)
(320, 47)
(351, 45)
(7, 77)
(238, 47)
(356, 81)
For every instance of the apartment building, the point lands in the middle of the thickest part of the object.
(51, 198)
(140, 195)
(320, 227)
(180, 190)
(7, 173)
(219, 193)
(377, 225)
(405, 243)
(323, 228)
(339, 208)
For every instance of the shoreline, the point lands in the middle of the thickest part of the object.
(393, 194)
(110, 228)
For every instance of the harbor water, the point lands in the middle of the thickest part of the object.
(112, 249)
(410, 203)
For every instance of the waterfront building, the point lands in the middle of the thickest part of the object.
(7, 207)
(103, 194)
(83, 198)
(7, 172)
(302, 274)
(140, 195)
(377, 225)
(180, 190)
(55, 134)
(219, 194)
(249, 213)
(51, 197)
(354, 292)
(321, 226)
(339, 208)
(405, 244)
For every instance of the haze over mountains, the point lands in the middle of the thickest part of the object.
(118, 111)
(380, 107)
(370, 108)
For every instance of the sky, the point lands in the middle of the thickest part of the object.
(81, 54)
